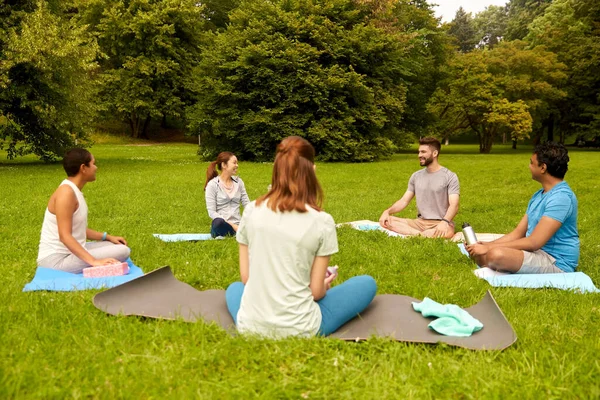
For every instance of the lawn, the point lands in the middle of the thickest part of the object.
(57, 345)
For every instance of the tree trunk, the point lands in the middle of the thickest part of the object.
(539, 134)
(131, 125)
(514, 146)
(486, 139)
(551, 128)
(145, 128)
(562, 136)
(446, 140)
(134, 122)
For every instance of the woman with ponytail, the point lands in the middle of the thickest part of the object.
(224, 193)
(285, 243)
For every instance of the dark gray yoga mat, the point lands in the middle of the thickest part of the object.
(159, 294)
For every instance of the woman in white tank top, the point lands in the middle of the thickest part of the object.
(63, 240)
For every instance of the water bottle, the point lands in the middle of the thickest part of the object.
(469, 233)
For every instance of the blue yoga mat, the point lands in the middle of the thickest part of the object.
(376, 227)
(577, 281)
(369, 227)
(60, 281)
(184, 237)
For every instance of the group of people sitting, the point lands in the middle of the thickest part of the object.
(286, 239)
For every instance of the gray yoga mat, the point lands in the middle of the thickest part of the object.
(159, 294)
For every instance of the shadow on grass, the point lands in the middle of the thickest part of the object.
(496, 149)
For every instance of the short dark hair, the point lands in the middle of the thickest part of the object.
(74, 158)
(431, 142)
(555, 156)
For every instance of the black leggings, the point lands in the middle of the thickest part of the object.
(220, 227)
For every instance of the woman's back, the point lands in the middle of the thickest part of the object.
(277, 300)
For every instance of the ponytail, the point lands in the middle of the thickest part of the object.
(211, 172)
(294, 184)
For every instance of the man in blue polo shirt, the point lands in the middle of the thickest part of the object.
(546, 240)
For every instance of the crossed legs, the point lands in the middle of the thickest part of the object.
(501, 259)
(73, 264)
(518, 261)
(418, 227)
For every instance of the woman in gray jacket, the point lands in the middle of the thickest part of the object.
(224, 193)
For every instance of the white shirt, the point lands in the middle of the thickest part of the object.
(50, 243)
(277, 300)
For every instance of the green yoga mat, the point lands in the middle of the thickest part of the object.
(159, 294)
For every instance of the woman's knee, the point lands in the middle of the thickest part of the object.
(234, 288)
(366, 283)
(121, 252)
(218, 223)
(370, 285)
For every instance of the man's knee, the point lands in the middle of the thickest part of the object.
(495, 257)
(450, 233)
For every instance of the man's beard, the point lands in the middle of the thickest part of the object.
(426, 162)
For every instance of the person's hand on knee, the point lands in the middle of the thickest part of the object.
(442, 230)
(384, 220)
(116, 240)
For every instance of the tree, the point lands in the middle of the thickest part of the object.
(571, 29)
(490, 26)
(150, 48)
(216, 12)
(507, 90)
(319, 69)
(533, 75)
(463, 31)
(429, 51)
(521, 13)
(46, 90)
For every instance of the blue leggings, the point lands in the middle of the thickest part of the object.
(341, 303)
(220, 227)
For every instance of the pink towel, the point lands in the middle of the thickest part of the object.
(115, 269)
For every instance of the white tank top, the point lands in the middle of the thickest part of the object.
(50, 243)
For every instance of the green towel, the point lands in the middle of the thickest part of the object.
(452, 320)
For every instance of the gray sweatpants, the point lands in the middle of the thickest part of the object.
(73, 264)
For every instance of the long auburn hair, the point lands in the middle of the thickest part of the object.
(294, 183)
(211, 171)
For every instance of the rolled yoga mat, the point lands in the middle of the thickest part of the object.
(159, 294)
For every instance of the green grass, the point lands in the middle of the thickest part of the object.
(57, 345)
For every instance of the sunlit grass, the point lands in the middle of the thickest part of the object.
(59, 345)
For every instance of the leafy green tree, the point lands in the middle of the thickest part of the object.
(150, 48)
(571, 29)
(508, 90)
(533, 75)
(330, 71)
(462, 29)
(46, 94)
(429, 51)
(216, 12)
(521, 13)
(490, 26)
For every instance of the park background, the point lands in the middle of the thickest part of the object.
(142, 82)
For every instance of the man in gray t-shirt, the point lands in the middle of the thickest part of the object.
(437, 191)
